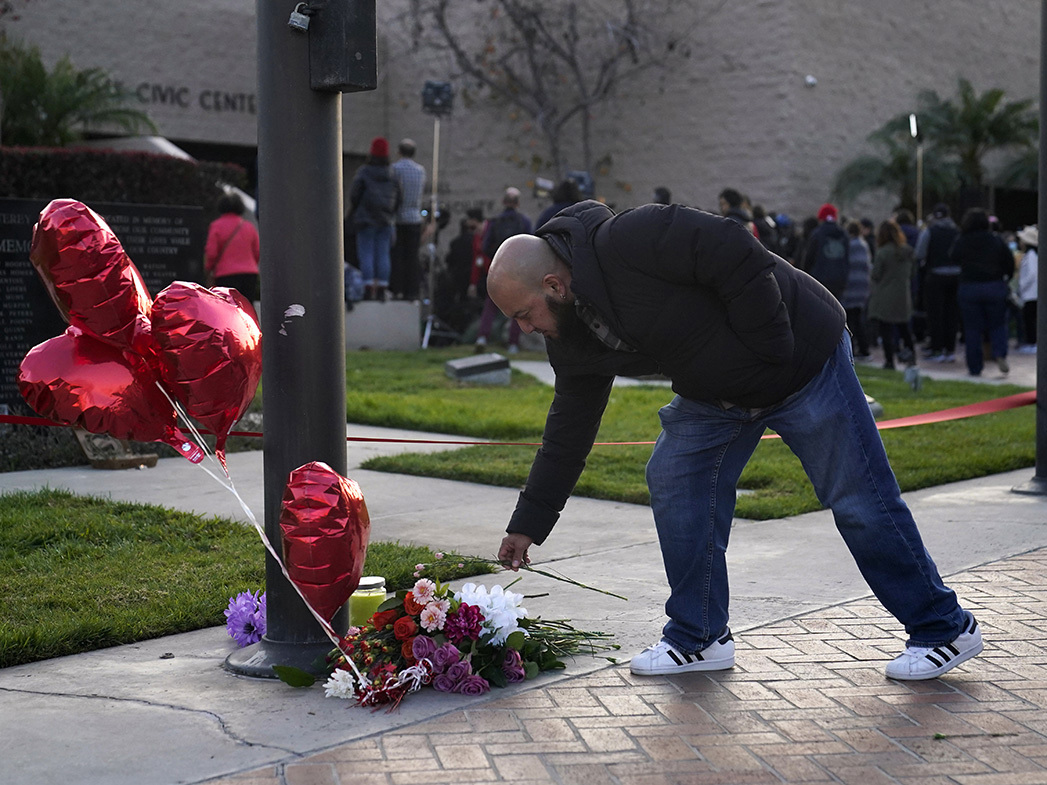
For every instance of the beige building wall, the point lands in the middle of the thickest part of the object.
(738, 112)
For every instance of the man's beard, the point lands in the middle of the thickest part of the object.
(570, 329)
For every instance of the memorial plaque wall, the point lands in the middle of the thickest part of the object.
(166, 243)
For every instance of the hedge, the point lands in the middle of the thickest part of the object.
(111, 176)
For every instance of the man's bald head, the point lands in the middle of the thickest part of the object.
(524, 272)
(522, 260)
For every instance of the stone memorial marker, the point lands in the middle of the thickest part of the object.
(489, 368)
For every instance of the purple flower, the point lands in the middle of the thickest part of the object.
(443, 683)
(459, 670)
(472, 685)
(245, 618)
(463, 624)
(445, 656)
(423, 647)
(513, 667)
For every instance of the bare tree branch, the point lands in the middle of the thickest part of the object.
(555, 61)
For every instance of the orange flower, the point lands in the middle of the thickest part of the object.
(407, 650)
(411, 606)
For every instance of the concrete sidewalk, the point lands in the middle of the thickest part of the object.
(807, 701)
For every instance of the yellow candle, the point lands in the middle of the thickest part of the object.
(365, 600)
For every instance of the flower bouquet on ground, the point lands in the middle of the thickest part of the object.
(461, 641)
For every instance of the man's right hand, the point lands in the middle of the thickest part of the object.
(513, 551)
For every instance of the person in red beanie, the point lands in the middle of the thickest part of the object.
(374, 200)
(825, 256)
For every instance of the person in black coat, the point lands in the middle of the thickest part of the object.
(749, 343)
(986, 265)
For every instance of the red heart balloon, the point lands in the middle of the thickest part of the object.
(210, 353)
(91, 279)
(325, 529)
(78, 380)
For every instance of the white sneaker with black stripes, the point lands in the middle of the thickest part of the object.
(918, 662)
(662, 658)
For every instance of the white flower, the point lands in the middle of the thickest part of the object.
(424, 591)
(501, 609)
(432, 617)
(341, 684)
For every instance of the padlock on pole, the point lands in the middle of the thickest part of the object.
(300, 18)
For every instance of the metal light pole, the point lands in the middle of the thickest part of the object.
(1038, 483)
(437, 100)
(303, 306)
(919, 168)
(431, 250)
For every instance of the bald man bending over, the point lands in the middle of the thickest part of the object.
(749, 343)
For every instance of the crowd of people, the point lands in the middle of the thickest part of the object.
(912, 288)
(914, 291)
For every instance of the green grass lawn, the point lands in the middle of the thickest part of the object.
(79, 573)
(410, 390)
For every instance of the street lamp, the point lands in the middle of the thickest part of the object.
(437, 100)
(914, 131)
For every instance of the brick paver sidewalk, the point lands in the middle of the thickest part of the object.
(807, 702)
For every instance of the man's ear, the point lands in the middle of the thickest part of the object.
(553, 285)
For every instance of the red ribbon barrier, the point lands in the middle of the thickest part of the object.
(956, 413)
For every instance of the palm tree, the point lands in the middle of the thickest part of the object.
(1022, 171)
(976, 125)
(894, 169)
(957, 135)
(57, 107)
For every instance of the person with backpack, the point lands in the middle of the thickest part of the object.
(499, 229)
(374, 201)
(826, 256)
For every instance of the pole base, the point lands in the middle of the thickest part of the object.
(1037, 486)
(258, 659)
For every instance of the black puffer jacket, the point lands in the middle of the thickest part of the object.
(699, 299)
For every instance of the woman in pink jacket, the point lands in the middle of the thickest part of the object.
(231, 254)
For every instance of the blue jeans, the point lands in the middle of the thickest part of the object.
(983, 307)
(693, 474)
(372, 251)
